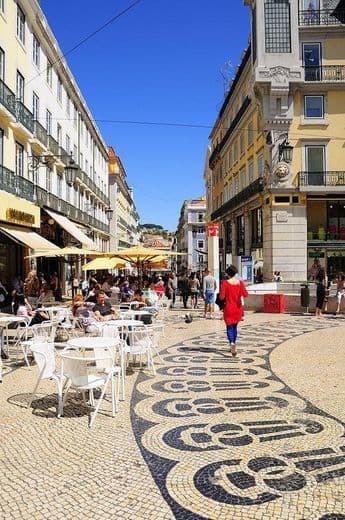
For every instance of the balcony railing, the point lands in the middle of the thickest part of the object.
(330, 73)
(16, 184)
(7, 98)
(255, 187)
(40, 133)
(85, 179)
(53, 145)
(326, 178)
(24, 116)
(312, 17)
(63, 156)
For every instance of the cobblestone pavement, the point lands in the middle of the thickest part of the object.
(209, 437)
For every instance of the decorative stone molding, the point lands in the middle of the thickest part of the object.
(280, 75)
(282, 171)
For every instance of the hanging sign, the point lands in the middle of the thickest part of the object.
(212, 229)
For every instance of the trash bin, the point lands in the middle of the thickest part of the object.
(305, 296)
(274, 303)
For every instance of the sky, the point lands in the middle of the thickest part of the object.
(164, 61)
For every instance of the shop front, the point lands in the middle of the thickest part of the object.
(19, 221)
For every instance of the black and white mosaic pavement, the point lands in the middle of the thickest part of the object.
(224, 437)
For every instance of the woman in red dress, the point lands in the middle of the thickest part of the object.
(232, 291)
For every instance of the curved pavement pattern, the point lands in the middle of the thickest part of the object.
(209, 437)
(226, 438)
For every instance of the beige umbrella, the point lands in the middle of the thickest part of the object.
(98, 264)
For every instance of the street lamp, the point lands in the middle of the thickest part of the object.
(109, 213)
(285, 151)
(71, 172)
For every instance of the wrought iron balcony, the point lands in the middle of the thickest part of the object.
(233, 125)
(325, 178)
(53, 145)
(330, 73)
(7, 98)
(24, 116)
(40, 133)
(312, 17)
(16, 184)
(255, 187)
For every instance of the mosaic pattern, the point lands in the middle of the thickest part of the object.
(224, 437)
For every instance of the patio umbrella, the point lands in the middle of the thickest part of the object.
(98, 264)
(65, 251)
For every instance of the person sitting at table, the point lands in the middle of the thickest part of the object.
(84, 311)
(92, 296)
(138, 300)
(46, 295)
(103, 310)
(23, 308)
(127, 292)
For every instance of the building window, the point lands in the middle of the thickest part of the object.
(59, 89)
(35, 106)
(68, 106)
(236, 184)
(240, 235)
(312, 61)
(68, 144)
(242, 143)
(19, 159)
(277, 26)
(59, 134)
(49, 173)
(2, 6)
(200, 217)
(243, 179)
(49, 73)
(48, 122)
(200, 244)
(81, 161)
(20, 87)
(251, 172)
(228, 236)
(75, 153)
(235, 152)
(2, 64)
(256, 227)
(260, 165)
(314, 107)
(59, 186)
(315, 164)
(36, 50)
(20, 25)
(250, 133)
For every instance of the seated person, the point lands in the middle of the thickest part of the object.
(127, 292)
(138, 299)
(23, 308)
(46, 295)
(92, 296)
(103, 310)
(83, 311)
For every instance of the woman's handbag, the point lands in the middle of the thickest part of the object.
(220, 302)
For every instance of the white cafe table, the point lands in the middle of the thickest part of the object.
(91, 342)
(6, 319)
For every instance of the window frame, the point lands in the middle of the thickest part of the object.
(20, 29)
(49, 119)
(36, 51)
(35, 106)
(2, 64)
(320, 96)
(19, 148)
(20, 86)
(49, 74)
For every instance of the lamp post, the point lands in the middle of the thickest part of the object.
(285, 151)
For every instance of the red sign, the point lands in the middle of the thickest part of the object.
(213, 229)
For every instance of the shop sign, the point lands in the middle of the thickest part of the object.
(20, 217)
(316, 254)
(212, 229)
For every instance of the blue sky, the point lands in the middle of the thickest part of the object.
(160, 62)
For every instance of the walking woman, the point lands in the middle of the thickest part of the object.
(194, 287)
(231, 292)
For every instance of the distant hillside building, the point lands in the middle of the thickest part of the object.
(191, 235)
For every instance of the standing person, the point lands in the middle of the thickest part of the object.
(209, 288)
(340, 290)
(75, 285)
(320, 293)
(183, 286)
(232, 291)
(32, 288)
(172, 284)
(194, 287)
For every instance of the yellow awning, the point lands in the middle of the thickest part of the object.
(65, 251)
(72, 229)
(28, 238)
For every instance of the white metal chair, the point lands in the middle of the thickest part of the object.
(156, 332)
(139, 343)
(88, 372)
(65, 322)
(118, 334)
(44, 356)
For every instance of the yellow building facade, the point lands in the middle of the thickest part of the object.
(277, 144)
